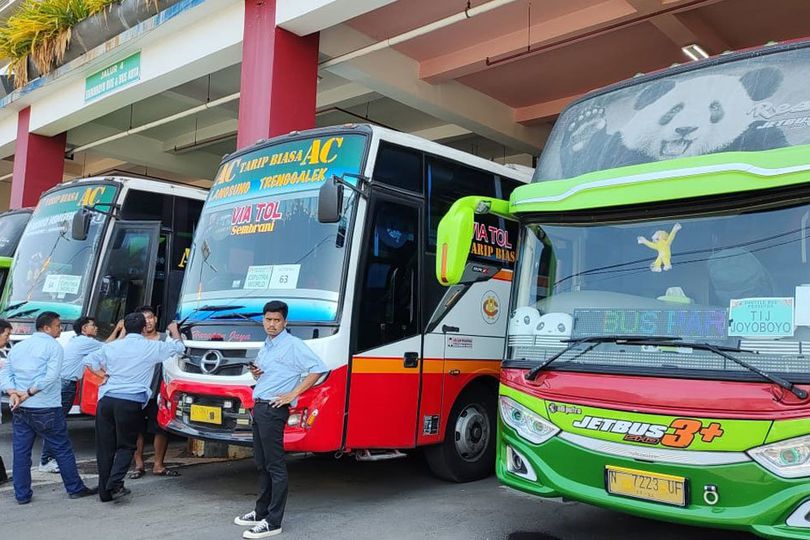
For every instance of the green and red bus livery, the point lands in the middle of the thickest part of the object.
(659, 328)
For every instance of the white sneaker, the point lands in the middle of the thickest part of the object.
(261, 530)
(246, 520)
(51, 467)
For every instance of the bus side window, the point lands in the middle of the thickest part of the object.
(399, 167)
(445, 183)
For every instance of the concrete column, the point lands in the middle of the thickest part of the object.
(39, 163)
(279, 77)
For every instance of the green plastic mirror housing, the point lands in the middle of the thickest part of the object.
(455, 234)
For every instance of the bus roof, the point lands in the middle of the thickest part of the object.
(142, 184)
(520, 173)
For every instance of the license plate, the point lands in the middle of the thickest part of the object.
(203, 413)
(661, 488)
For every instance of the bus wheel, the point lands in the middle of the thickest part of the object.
(468, 450)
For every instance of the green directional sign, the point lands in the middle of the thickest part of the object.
(113, 77)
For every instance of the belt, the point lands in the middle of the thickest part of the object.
(267, 401)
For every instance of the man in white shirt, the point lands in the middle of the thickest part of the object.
(129, 364)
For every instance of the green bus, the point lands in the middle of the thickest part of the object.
(655, 361)
(12, 225)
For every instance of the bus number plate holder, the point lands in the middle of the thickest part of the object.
(647, 486)
(205, 414)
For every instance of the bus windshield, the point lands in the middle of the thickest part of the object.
(259, 237)
(12, 226)
(757, 102)
(737, 280)
(51, 270)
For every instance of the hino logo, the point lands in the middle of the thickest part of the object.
(211, 361)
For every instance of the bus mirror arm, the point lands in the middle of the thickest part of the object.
(81, 219)
(81, 224)
(330, 196)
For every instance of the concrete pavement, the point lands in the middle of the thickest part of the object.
(329, 499)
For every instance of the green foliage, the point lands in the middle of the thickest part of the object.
(41, 29)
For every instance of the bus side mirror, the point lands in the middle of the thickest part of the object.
(455, 236)
(454, 239)
(81, 224)
(330, 201)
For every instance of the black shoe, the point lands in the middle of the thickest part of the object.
(120, 492)
(85, 492)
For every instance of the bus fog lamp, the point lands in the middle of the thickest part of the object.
(518, 465)
(788, 459)
(528, 424)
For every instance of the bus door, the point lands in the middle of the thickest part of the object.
(386, 365)
(160, 284)
(125, 282)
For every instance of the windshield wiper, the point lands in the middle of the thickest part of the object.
(205, 308)
(596, 340)
(237, 315)
(15, 306)
(22, 313)
(724, 351)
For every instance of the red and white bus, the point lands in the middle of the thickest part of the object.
(412, 363)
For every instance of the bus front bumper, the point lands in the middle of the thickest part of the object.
(223, 413)
(749, 497)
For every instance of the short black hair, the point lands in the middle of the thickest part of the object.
(146, 309)
(80, 322)
(276, 306)
(134, 323)
(4, 324)
(46, 318)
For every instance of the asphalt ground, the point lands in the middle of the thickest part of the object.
(329, 499)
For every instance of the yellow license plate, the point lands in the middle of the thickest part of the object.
(662, 488)
(203, 413)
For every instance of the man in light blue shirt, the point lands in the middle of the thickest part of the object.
(75, 350)
(31, 379)
(285, 368)
(129, 364)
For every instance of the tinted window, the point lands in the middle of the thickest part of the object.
(446, 182)
(147, 206)
(389, 289)
(399, 167)
(12, 226)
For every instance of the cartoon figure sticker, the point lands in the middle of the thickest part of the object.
(490, 307)
(662, 244)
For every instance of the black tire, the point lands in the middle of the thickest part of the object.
(472, 420)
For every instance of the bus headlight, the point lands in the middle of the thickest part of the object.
(788, 459)
(529, 425)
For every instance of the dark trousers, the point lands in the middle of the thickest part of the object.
(50, 425)
(268, 451)
(118, 422)
(68, 397)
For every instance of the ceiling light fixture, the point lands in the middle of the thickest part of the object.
(695, 52)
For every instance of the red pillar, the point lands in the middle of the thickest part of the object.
(39, 163)
(279, 77)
